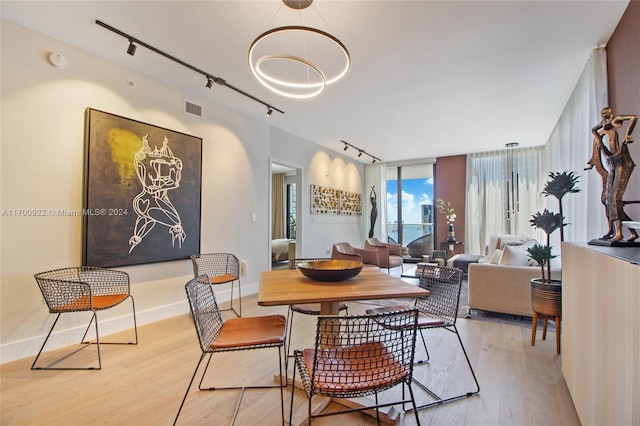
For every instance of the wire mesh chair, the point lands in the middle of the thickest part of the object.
(357, 356)
(222, 268)
(235, 334)
(438, 310)
(307, 308)
(78, 289)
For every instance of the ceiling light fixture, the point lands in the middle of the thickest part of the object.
(131, 50)
(360, 151)
(269, 112)
(307, 68)
(513, 184)
(210, 78)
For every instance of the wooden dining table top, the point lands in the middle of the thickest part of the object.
(289, 287)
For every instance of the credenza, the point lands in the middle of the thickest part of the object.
(601, 332)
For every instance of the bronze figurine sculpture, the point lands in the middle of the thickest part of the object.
(615, 171)
(374, 209)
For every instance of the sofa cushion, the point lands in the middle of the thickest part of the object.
(495, 257)
(515, 256)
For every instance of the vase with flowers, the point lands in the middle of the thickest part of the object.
(447, 210)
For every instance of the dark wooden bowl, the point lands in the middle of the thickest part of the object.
(330, 270)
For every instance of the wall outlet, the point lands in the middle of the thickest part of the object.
(243, 267)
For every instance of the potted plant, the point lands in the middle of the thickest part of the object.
(546, 293)
(548, 222)
(559, 185)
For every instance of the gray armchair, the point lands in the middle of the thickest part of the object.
(421, 246)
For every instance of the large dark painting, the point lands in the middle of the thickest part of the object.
(141, 194)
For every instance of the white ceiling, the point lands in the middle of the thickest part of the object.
(428, 78)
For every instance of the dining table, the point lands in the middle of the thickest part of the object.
(290, 287)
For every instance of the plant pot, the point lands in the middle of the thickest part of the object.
(546, 297)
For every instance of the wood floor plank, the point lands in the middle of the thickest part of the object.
(144, 384)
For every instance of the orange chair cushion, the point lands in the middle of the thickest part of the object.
(250, 331)
(84, 303)
(423, 320)
(358, 368)
(221, 279)
(314, 308)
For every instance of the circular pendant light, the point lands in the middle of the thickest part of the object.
(298, 61)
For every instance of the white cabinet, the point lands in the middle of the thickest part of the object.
(601, 332)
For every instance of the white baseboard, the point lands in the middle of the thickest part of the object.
(29, 347)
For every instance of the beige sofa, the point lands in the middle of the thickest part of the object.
(500, 282)
(503, 288)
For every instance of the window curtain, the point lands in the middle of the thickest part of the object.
(374, 176)
(277, 206)
(569, 148)
(486, 199)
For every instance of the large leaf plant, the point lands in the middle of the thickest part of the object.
(559, 185)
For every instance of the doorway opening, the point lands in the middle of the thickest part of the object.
(285, 220)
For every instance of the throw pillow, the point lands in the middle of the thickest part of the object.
(512, 255)
(495, 257)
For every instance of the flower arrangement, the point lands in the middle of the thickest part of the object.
(446, 209)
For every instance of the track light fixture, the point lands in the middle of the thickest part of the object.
(269, 112)
(360, 151)
(131, 50)
(210, 78)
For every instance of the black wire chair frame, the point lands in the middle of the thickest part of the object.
(440, 310)
(305, 309)
(357, 356)
(83, 289)
(222, 268)
(209, 325)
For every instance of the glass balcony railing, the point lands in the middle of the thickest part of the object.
(410, 231)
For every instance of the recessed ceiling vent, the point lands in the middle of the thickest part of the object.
(192, 109)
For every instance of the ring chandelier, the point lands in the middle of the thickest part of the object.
(297, 75)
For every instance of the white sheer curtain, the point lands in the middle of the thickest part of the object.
(486, 198)
(569, 148)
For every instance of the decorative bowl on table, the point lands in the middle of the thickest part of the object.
(330, 270)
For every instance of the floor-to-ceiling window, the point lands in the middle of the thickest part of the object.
(409, 202)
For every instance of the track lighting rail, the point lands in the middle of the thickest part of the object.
(133, 41)
(347, 145)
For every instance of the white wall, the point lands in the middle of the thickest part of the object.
(42, 142)
(317, 233)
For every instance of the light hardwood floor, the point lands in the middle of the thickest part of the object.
(144, 384)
